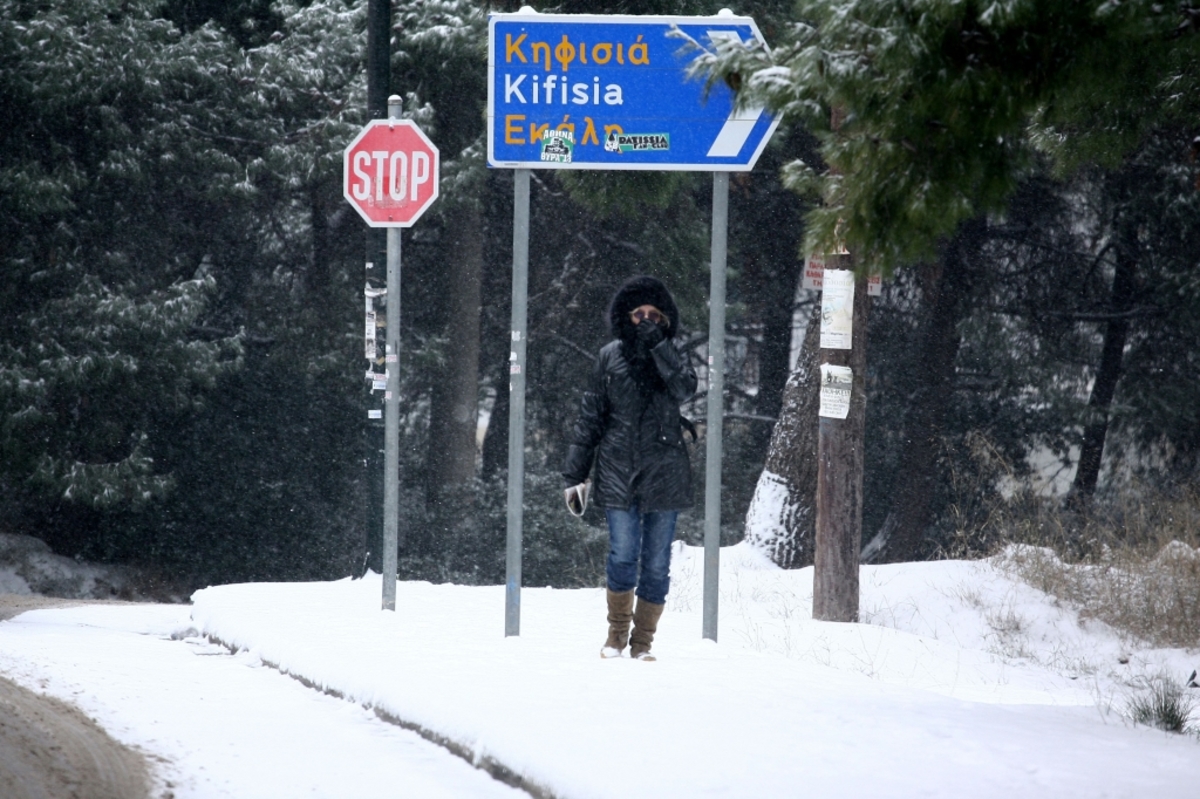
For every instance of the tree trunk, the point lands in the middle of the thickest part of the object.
(1108, 373)
(766, 221)
(943, 286)
(781, 519)
(318, 270)
(495, 440)
(773, 361)
(838, 536)
(454, 403)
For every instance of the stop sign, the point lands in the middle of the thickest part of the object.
(391, 173)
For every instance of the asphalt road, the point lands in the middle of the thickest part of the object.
(51, 750)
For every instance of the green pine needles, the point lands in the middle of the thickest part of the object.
(931, 113)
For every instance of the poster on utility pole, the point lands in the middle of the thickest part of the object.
(837, 309)
(836, 382)
(814, 270)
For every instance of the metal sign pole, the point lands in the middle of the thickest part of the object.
(644, 111)
(379, 185)
(379, 52)
(516, 403)
(716, 404)
(391, 407)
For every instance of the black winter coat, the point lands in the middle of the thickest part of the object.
(633, 427)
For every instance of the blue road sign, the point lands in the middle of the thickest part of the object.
(569, 91)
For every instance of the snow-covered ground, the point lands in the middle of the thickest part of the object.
(962, 683)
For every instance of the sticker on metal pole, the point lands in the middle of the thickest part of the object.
(837, 309)
(369, 332)
(836, 382)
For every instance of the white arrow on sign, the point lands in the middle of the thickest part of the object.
(740, 124)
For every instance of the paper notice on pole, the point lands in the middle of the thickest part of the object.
(835, 391)
(814, 268)
(837, 309)
(875, 284)
(370, 335)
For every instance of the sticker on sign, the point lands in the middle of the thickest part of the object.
(558, 146)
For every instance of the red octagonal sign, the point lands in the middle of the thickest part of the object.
(391, 173)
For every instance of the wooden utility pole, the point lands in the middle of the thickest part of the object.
(840, 475)
(838, 538)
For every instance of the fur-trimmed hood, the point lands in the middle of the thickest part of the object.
(635, 292)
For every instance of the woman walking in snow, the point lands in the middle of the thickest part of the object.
(629, 423)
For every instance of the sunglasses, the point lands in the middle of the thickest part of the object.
(653, 315)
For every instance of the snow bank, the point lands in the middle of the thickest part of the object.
(216, 726)
(27, 566)
(963, 683)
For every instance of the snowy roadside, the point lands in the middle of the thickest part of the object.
(966, 683)
(49, 748)
(963, 683)
(207, 724)
(215, 725)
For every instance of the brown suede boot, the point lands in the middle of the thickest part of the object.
(620, 613)
(645, 624)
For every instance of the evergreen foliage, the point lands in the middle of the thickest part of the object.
(940, 107)
(1036, 299)
(97, 357)
(180, 316)
(160, 189)
(1049, 128)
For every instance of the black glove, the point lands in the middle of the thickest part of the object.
(650, 334)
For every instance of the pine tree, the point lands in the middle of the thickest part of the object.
(944, 104)
(169, 218)
(97, 354)
(944, 109)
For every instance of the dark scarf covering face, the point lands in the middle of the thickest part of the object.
(636, 292)
(641, 366)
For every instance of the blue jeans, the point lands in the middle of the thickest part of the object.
(639, 553)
